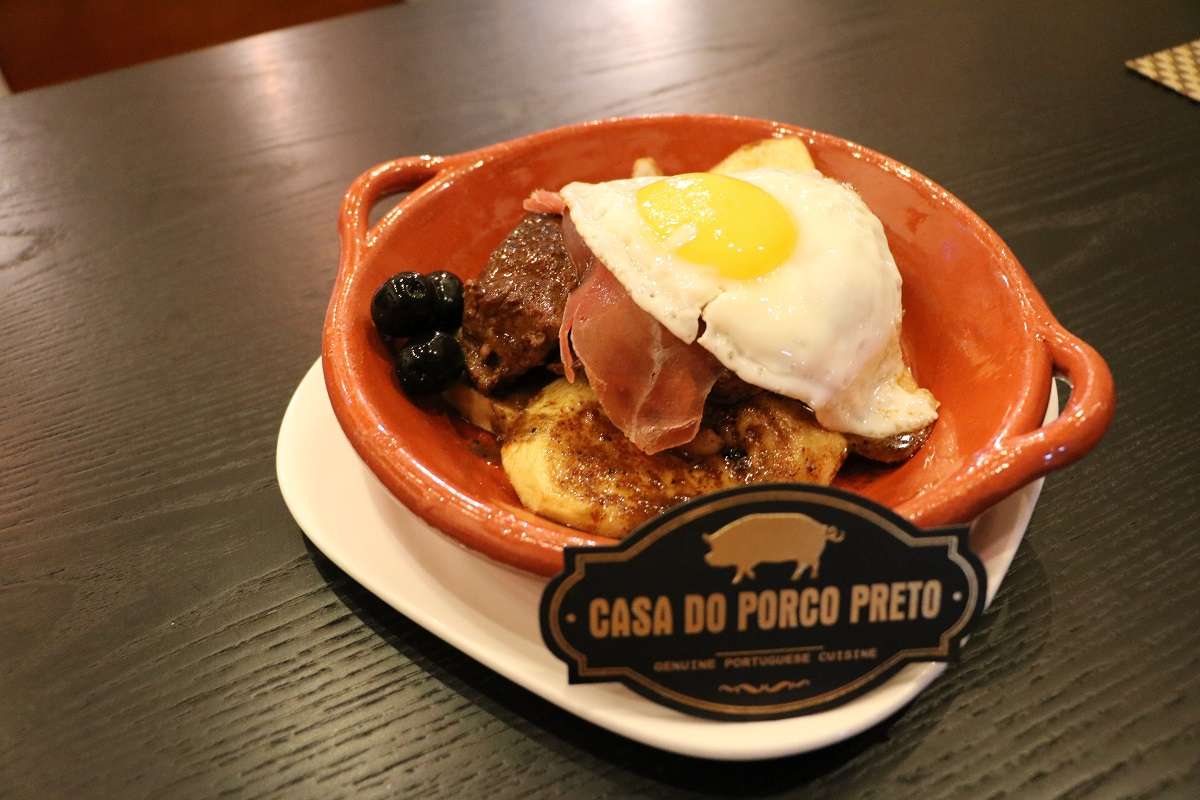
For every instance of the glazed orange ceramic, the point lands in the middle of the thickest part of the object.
(976, 331)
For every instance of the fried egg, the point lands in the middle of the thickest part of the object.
(785, 277)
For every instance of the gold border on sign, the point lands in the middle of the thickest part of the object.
(582, 559)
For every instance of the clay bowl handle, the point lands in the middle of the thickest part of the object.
(400, 175)
(1017, 459)
(1082, 422)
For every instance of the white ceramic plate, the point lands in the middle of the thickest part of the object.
(490, 611)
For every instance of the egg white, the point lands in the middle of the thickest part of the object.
(823, 327)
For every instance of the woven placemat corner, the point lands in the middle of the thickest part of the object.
(1176, 67)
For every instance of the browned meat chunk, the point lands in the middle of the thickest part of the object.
(512, 312)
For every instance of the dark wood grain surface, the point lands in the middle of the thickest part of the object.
(166, 250)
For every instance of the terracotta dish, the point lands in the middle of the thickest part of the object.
(976, 331)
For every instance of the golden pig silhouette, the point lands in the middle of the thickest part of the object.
(770, 538)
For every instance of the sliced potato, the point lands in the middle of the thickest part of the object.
(568, 462)
(783, 442)
(646, 167)
(890, 450)
(494, 414)
(789, 153)
(902, 446)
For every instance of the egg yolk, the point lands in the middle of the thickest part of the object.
(726, 223)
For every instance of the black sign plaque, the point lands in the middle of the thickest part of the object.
(763, 602)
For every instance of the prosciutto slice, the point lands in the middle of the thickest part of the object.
(651, 384)
(544, 201)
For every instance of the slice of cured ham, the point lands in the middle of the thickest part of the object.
(651, 384)
(544, 201)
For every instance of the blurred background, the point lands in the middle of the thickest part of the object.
(43, 42)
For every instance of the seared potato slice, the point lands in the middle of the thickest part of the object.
(789, 153)
(893, 449)
(495, 414)
(569, 463)
(646, 167)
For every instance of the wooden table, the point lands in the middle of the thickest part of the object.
(167, 247)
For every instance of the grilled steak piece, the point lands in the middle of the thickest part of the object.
(513, 310)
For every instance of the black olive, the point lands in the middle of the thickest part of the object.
(429, 364)
(447, 292)
(403, 306)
